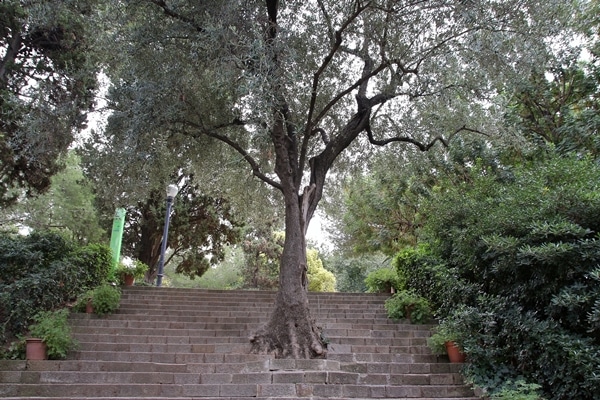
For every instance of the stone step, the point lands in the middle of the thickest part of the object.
(231, 299)
(245, 295)
(264, 377)
(230, 364)
(226, 398)
(180, 322)
(150, 337)
(227, 312)
(241, 390)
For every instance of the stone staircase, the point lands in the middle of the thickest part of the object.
(193, 344)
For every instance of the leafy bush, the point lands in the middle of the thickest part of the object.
(53, 328)
(429, 276)
(406, 304)
(383, 280)
(24, 255)
(95, 264)
(106, 299)
(44, 271)
(519, 390)
(521, 251)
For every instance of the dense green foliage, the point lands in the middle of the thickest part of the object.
(351, 272)
(520, 248)
(41, 272)
(105, 299)
(519, 390)
(405, 304)
(319, 278)
(54, 330)
(47, 78)
(66, 207)
(384, 280)
(561, 108)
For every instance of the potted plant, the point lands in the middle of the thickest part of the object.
(129, 272)
(407, 304)
(105, 299)
(444, 340)
(51, 331)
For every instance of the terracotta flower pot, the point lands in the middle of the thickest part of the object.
(129, 280)
(35, 349)
(454, 353)
(89, 308)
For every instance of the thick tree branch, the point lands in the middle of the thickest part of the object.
(256, 171)
(9, 57)
(420, 145)
(171, 13)
(335, 47)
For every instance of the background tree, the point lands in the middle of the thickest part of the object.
(561, 107)
(262, 249)
(47, 81)
(199, 229)
(291, 88)
(66, 207)
(319, 279)
(350, 272)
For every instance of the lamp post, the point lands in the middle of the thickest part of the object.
(171, 193)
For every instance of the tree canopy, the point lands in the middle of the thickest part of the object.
(47, 79)
(289, 87)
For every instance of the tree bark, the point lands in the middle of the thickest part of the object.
(291, 332)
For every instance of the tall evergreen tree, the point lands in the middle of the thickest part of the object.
(47, 81)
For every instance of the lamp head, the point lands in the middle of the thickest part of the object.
(171, 191)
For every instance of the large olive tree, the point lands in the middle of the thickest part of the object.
(292, 88)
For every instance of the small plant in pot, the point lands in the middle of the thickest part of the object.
(53, 330)
(84, 303)
(408, 305)
(129, 271)
(444, 340)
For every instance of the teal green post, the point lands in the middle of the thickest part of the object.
(117, 235)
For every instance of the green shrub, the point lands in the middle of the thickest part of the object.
(53, 328)
(407, 304)
(95, 264)
(44, 271)
(106, 299)
(505, 342)
(429, 276)
(383, 280)
(520, 249)
(21, 255)
(519, 390)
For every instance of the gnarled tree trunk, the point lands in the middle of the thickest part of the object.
(291, 332)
